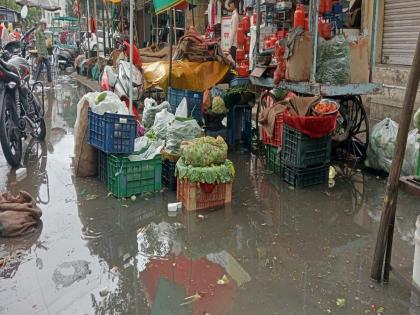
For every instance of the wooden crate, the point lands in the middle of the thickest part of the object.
(193, 197)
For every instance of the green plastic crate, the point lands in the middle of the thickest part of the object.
(102, 167)
(273, 159)
(298, 150)
(127, 178)
(304, 177)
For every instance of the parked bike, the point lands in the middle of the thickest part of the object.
(21, 112)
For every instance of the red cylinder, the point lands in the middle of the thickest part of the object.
(299, 17)
(240, 36)
(240, 54)
(328, 5)
(246, 23)
(242, 70)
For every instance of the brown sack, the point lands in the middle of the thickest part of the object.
(359, 61)
(85, 156)
(18, 215)
(298, 66)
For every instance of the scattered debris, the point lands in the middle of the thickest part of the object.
(340, 302)
(91, 197)
(104, 292)
(191, 299)
(224, 280)
(115, 269)
(133, 198)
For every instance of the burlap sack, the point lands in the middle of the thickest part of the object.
(19, 214)
(359, 61)
(85, 156)
(298, 66)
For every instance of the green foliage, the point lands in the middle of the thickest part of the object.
(212, 174)
(34, 14)
(204, 151)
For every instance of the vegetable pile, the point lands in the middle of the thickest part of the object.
(204, 151)
(325, 108)
(203, 160)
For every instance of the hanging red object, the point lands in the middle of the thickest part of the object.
(240, 36)
(299, 17)
(240, 54)
(92, 25)
(328, 6)
(182, 6)
(246, 23)
(242, 70)
(321, 8)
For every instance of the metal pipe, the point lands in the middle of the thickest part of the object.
(103, 25)
(314, 18)
(88, 30)
(171, 36)
(131, 55)
(373, 39)
(257, 33)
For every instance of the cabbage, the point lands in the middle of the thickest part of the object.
(213, 174)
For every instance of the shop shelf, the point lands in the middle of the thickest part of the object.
(299, 150)
(194, 196)
(127, 178)
(194, 101)
(275, 140)
(112, 133)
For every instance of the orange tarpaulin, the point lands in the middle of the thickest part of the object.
(194, 76)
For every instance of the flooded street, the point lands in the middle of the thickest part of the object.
(275, 250)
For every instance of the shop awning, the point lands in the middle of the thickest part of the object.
(164, 5)
(49, 5)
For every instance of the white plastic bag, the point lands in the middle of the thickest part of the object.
(111, 104)
(150, 110)
(179, 131)
(182, 109)
(382, 147)
(162, 121)
(153, 149)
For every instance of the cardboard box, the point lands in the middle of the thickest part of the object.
(359, 61)
(298, 66)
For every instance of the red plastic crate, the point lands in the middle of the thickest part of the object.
(274, 141)
(194, 197)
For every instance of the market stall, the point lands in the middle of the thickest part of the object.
(320, 65)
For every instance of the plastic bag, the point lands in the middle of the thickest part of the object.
(162, 121)
(150, 110)
(153, 149)
(182, 109)
(204, 151)
(382, 147)
(333, 64)
(416, 119)
(110, 104)
(180, 130)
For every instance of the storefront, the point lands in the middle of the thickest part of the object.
(400, 31)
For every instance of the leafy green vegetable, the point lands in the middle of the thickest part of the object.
(218, 105)
(204, 151)
(234, 95)
(212, 174)
(333, 64)
(181, 130)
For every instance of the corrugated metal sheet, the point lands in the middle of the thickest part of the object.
(401, 30)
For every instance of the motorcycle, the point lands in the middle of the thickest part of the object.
(21, 113)
(118, 81)
(17, 47)
(65, 57)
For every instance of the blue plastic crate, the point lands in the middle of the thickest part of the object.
(194, 101)
(112, 133)
(239, 82)
(239, 121)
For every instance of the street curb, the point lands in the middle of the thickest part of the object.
(90, 84)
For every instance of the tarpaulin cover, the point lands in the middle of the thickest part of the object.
(186, 75)
(163, 5)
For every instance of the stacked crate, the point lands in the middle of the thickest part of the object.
(273, 145)
(305, 160)
(113, 135)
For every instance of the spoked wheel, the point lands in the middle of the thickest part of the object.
(11, 141)
(352, 133)
(267, 99)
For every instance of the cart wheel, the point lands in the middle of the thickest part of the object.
(352, 133)
(267, 99)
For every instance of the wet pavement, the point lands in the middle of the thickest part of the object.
(275, 250)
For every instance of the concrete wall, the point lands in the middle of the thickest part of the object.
(389, 103)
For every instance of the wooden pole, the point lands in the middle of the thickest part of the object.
(171, 36)
(391, 191)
